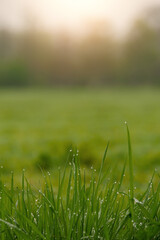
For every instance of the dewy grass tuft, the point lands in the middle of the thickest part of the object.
(80, 208)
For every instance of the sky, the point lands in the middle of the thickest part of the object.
(71, 14)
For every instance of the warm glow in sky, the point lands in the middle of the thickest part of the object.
(71, 14)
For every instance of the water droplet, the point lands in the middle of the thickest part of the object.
(93, 231)
(35, 221)
(137, 201)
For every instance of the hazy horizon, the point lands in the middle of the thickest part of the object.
(71, 15)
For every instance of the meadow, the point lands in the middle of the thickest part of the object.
(39, 127)
(67, 166)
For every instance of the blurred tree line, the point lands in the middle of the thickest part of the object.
(35, 57)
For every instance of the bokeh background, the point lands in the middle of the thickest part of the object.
(71, 73)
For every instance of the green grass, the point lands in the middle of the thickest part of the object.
(37, 127)
(78, 209)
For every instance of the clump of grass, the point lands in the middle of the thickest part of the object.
(79, 209)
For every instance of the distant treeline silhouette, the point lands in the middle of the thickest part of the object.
(35, 57)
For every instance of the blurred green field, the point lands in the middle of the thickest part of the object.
(38, 127)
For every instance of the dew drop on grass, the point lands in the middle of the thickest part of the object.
(134, 224)
(137, 201)
(35, 221)
(93, 231)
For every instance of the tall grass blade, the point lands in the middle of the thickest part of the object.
(131, 192)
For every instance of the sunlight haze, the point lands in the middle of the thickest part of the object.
(71, 14)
